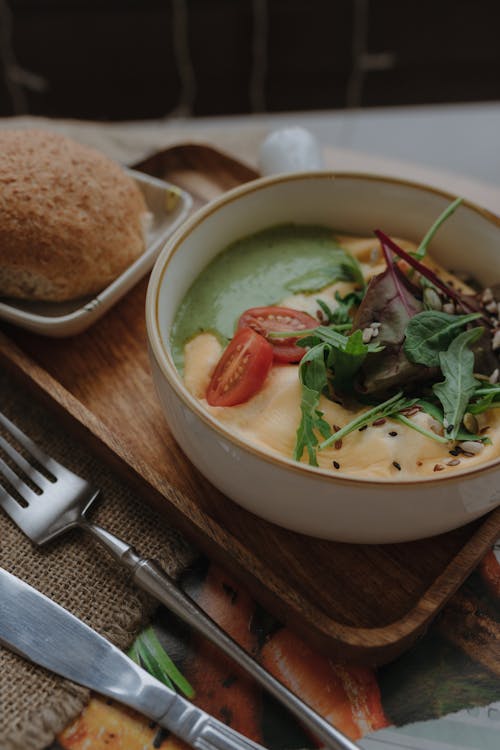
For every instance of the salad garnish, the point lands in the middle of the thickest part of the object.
(419, 351)
(406, 343)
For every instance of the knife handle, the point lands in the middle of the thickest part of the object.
(201, 730)
(150, 577)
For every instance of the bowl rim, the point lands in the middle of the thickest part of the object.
(168, 369)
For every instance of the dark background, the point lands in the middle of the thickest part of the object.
(137, 59)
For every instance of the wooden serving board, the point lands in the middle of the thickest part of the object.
(358, 603)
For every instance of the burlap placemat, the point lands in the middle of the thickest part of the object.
(75, 572)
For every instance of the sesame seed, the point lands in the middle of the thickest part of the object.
(438, 467)
(449, 428)
(367, 335)
(363, 428)
(396, 465)
(338, 445)
(494, 376)
(454, 462)
(336, 464)
(454, 452)
(379, 422)
(393, 433)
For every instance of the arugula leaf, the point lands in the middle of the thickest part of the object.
(489, 398)
(422, 248)
(340, 315)
(343, 267)
(388, 408)
(346, 360)
(313, 375)
(418, 428)
(328, 335)
(430, 332)
(434, 411)
(331, 355)
(459, 385)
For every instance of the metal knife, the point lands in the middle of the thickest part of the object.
(40, 630)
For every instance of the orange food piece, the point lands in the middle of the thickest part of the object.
(348, 697)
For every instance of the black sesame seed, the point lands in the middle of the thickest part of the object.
(393, 433)
(363, 428)
(449, 428)
(160, 737)
(396, 465)
(336, 464)
(454, 452)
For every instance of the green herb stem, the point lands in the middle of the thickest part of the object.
(365, 418)
(487, 391)
(422, 248)
(302, 333)
(158, 663)
(414, 426)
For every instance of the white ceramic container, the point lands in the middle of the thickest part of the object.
(303, 498)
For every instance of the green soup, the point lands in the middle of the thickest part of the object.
(251, 272)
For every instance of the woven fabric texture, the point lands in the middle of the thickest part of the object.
(76, 573)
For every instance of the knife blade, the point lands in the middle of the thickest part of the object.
(42, 631)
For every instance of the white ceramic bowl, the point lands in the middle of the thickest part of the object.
(297, 496)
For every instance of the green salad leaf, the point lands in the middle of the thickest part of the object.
(459, 385)
(435, 411)
(332, 358)
(345, 360)
(430, 332)
(485, 397)
(313, 376)
(340, 315)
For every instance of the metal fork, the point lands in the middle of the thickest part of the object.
(61, 504)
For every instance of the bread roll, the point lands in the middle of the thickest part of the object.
(71, 220)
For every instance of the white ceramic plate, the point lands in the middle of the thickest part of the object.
(169, 206)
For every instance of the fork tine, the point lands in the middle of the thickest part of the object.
(11, 506)
(43, 459)
(19, 485)
(24, 465)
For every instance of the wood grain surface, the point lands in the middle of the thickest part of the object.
(363, 603)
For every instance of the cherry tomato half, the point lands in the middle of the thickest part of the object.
(241, 370)
(267, 319)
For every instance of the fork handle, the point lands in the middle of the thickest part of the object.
(150, 577)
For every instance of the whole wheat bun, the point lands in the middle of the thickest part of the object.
(71, 220)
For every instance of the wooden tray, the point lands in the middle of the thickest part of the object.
(357, 603)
